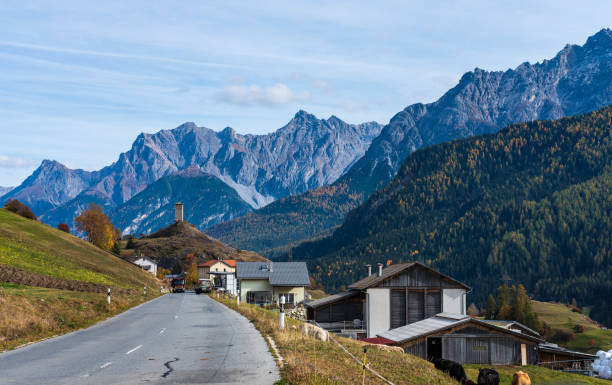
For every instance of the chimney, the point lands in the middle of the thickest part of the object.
(369, 269)
(178, 212)
(380, 265)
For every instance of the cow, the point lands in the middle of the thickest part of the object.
(454, 369)
(488, 377)
(521, 378)
(469, 382)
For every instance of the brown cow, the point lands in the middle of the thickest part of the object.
(521, 378)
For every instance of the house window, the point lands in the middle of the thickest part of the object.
(224, 269)
(288, 297)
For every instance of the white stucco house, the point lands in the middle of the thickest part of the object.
(147, 264)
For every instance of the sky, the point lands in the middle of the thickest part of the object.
(79, 80)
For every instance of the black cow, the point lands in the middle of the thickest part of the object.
(454, 369)
(488, 377)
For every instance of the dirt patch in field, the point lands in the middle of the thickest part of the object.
(11, 274)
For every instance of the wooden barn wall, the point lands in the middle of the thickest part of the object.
(487, 349)
(418, 349)
(419, 277)
(340, 311)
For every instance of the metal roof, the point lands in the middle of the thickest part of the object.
(331, 299)
(554, 348)
(393, 270)
(277, 273)
(441, 322)
(508, 325)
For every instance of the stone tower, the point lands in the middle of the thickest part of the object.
(178, 212)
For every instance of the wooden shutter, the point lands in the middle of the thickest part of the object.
(433, 303)
(398, 309)
(415, 306)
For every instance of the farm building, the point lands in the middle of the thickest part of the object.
(552, 356)
(264, 282)
(398, 295)
(464, 339)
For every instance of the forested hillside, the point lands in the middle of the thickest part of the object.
(576, 81)
(530, 204)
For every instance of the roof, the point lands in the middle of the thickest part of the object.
(145, 259)
(554, 348)
(229, 262)
(378, 341)
(392, 270)
(277, 273)
(441, 322)
(331, 299)
(508, 325)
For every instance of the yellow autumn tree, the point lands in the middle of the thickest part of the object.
(97, 226)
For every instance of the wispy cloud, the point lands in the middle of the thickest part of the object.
(8, 162)
(276, 95)
(351, 105)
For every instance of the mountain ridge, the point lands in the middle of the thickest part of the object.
(577, 80)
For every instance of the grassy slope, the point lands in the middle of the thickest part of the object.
(559, 316)
(539, 376)
(31, 313)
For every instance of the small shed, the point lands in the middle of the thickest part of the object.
(552, 356)
(465, 340)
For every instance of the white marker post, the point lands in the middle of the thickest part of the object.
(109, 295)
(282, 312)
(237, 299)
(145, 290)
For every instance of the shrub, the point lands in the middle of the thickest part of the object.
(562, 336)
(19, 208)
(63, 227)
(578, 328)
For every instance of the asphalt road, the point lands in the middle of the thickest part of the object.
(175, 339)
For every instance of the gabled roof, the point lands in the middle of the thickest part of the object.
(508, 325)
(396, 269)
(331, 299)
(441, 322)
(228, 262)
(277, 273)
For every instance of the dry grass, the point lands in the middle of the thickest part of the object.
(310, 361)
(33, 313)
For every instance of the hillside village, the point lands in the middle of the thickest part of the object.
(462, 240)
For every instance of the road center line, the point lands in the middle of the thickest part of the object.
(133, 350)
(105, 365)
(163, 330)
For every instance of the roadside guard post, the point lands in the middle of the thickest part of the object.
(145, 290)
(282, 312)
(365, 350)
(108, 296)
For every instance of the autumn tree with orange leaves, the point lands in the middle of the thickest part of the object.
(98, 227)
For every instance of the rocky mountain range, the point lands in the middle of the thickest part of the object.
(304, 154)
(577, 80)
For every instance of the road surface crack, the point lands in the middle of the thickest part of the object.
(170, 369)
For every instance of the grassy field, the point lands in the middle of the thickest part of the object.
(538, 375)
(560, 317)
(29, 313)
(310, 361)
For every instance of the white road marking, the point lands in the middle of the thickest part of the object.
(105, 365)
(133, 350)
(163, 330)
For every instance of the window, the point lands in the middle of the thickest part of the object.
(224, 269)
(288, 297)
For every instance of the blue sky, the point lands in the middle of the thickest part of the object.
(80, 80)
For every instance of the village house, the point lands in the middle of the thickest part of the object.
(265, 282)
(219, 274)
(147, 264)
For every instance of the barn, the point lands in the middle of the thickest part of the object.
(463, 339)
(398, 295)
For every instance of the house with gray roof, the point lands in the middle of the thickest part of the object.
(266, 282)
